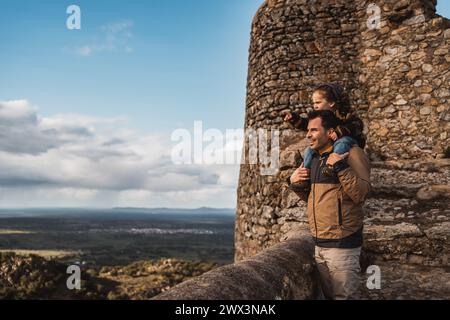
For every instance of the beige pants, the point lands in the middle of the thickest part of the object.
(339, 271)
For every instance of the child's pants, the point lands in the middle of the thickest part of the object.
(341, 146)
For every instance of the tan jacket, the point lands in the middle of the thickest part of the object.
(335, 212)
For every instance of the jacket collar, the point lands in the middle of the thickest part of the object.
(326, 151)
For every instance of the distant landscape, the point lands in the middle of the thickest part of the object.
(122, 235)
(112, 241)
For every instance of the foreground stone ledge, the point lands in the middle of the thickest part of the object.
(285, 271)
(431, 165)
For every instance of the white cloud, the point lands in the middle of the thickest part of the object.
(84, 51)
(17, 111)
(113, 37)
(76, 160)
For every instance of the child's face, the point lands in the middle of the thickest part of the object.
(320, 103)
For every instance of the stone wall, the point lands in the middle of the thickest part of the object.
(284, 272)
(406, 79)
(295, 45)
(398, 78)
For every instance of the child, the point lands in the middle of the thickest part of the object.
(332, 97)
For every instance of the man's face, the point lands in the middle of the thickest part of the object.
(318, 137)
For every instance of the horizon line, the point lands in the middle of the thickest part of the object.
(112, 208)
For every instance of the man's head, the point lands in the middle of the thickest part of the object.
(321, 125)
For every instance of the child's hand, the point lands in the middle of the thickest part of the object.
(287, 117)
(334, 136)
(334, 157)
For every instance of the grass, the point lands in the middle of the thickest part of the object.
(8, 232)
(43, 253)
(103, 239)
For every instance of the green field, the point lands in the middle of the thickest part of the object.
(119, 237)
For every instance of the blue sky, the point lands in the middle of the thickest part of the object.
(188, 60)
(443, 8)
(86, 115)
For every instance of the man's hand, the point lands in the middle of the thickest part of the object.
(300, 175)
(335, 157)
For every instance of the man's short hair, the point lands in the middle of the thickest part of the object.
(329, 119)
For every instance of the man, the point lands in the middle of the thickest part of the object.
(335, 203)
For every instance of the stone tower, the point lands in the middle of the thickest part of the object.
(393, 58)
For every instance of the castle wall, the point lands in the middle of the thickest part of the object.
(397, 75)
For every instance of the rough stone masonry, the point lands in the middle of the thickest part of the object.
(393, 58)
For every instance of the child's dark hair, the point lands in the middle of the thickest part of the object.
(334, 92)
(329, 119)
